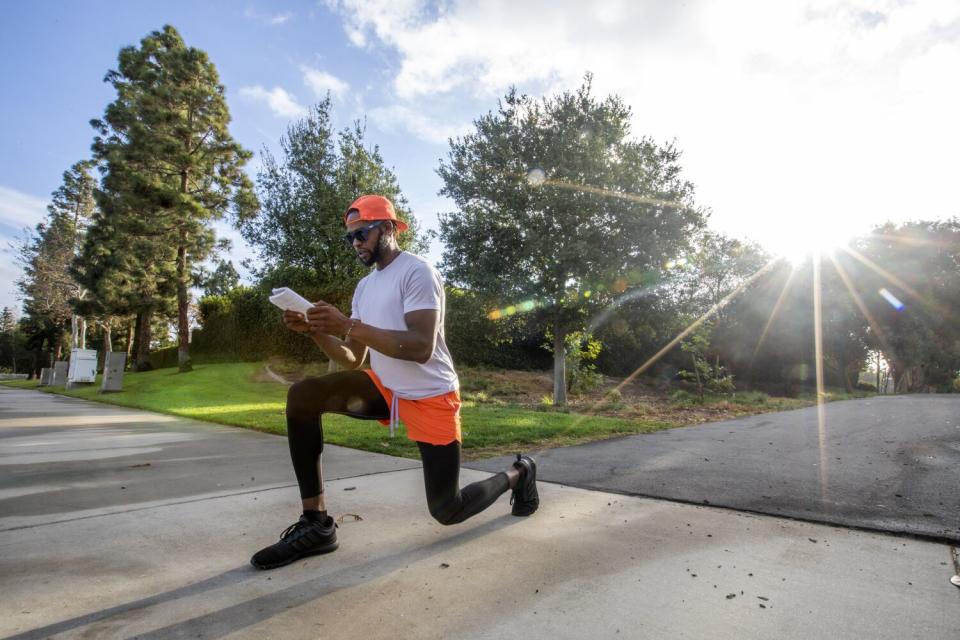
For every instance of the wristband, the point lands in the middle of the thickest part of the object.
(353, 323)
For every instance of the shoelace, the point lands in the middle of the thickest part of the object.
(294, 528)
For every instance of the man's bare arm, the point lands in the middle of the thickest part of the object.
(416, 343)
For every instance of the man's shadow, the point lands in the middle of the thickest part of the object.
(244, 614)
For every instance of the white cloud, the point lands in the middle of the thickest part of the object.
(792, 115)
(320, 82)
(20, 210)
(399, 116)
(267, 19)
(282, 104)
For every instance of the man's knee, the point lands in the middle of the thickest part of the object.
(446, 512)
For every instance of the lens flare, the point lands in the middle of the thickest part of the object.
(536, 177)
(892, 299)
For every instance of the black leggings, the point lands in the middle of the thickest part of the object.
(352, 393)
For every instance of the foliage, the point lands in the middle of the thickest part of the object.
(166, 134)
(476, 340)
(555, 198)
(919, 264)
(47, 286)
(298, 232)
(220, 281)
(708, 376)
(581, 351)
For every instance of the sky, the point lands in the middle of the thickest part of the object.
(801, 122)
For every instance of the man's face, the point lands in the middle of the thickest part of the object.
(370, 247)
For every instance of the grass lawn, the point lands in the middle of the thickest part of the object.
(234, 394)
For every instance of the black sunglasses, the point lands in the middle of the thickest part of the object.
(361, 234)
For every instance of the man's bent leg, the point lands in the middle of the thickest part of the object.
(448, 503)
(350, 393)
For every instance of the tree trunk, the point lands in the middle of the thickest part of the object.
(131, 327)
(141, 348)
(183, 304)
(57, 350)
(559, 366)
(847, 383)
(107, 325)
(696, 372)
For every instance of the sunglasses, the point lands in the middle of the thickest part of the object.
(361, 234)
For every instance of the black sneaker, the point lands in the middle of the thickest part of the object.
(301, 539)
(525, 499)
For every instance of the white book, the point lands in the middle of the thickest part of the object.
(290, 300)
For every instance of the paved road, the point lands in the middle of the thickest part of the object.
(63, 458)
(888, 463)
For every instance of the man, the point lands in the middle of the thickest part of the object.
(398, 312)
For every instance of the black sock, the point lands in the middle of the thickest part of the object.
(315, 516)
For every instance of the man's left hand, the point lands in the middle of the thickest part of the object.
(326, 318)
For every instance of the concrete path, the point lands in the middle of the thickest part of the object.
(889, 463)
(168, 558)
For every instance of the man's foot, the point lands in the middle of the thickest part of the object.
(955, 580)
(301, 539)
(525, 499)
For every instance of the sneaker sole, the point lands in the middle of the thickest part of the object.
(315, 552)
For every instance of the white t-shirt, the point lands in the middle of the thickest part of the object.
(381, 300)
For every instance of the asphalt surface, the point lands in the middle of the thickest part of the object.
(75, 457)
(888, 463)
(117, 523)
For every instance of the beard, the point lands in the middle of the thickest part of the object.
(374, 254)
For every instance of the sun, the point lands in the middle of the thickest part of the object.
(802, 243)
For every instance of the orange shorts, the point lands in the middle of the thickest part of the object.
(435, 420)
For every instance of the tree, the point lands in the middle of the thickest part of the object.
(47, 285)
(559, 208)
(8, 339)
(909, 280)
(715, 266)
(169, 122)
(221, 281)
(126, 264)
(298, 231)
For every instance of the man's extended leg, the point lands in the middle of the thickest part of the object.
(449, 504)
(350, 393)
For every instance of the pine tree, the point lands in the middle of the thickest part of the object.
(47, 285)
(169, 126)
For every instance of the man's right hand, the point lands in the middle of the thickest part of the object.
(295, 321)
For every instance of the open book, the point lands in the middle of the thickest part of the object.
(290, 300)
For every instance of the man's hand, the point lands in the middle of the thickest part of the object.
(295, 322)
(326, 318)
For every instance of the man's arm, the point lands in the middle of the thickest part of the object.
(416, 343)
(346, 353)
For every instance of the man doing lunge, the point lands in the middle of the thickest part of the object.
(398, 312)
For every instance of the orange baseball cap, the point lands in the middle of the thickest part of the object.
(372, 207)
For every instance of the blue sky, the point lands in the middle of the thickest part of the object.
(801, 122)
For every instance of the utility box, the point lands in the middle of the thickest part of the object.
(46, 377)
(113, 371)
(83, 366)
(60, 368)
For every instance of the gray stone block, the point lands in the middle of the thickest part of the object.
(46, 376)
(113, 371)
(60, 369)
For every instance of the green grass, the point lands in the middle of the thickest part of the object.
(227, 394)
